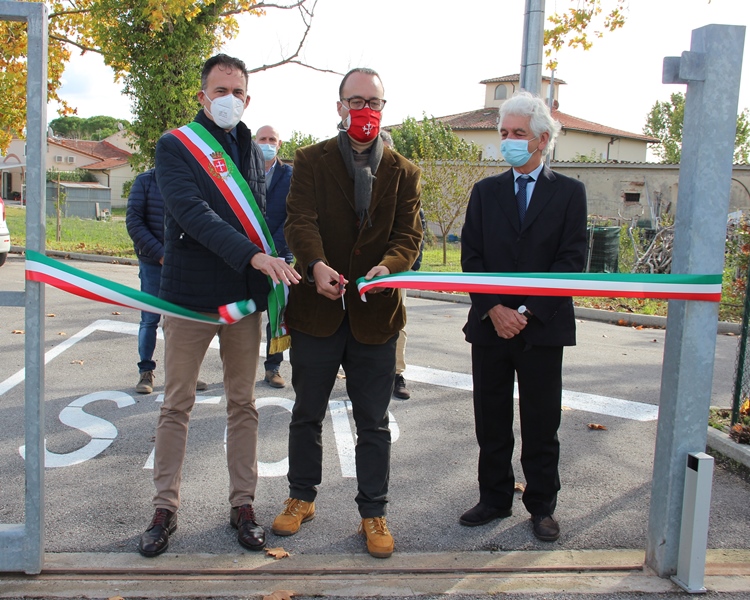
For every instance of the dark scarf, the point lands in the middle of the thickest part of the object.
(363, 176)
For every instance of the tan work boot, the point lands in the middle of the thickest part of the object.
(292, 517)
(145, 383)
(274, 379)
(379, 539)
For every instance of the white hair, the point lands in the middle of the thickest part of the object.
(524, 104)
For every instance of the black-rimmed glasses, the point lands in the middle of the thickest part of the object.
(358, 103)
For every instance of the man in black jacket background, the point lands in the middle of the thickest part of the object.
(144, 220)
(210, 261)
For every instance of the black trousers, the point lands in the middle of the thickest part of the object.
(539, 371)
(370, 371)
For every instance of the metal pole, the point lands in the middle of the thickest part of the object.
(533, 45)
(711, 70)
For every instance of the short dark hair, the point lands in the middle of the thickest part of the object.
(223, 60)
(364, 71)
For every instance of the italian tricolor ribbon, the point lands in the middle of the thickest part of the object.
(226, 176)
(57, 274)
(609, 285)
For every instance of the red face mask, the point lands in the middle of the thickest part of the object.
(364, 124)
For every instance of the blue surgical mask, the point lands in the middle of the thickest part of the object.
(269, 151)
(516, 152)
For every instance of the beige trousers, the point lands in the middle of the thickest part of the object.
(186, 343)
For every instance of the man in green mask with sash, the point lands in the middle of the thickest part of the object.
(217, 251)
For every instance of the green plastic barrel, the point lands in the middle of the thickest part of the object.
(605, 249)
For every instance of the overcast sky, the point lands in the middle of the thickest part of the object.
(431, 60)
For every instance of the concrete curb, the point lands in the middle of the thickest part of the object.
(589, 314)
(114, 260)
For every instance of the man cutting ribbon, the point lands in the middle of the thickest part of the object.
(217, 251)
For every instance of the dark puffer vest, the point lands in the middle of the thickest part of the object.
(207, 252)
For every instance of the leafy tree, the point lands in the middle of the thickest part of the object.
(156, 47)
(449, 169)
(665, 123)
(573, 26)
(93, 128)
(298, 140)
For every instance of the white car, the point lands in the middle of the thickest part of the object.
(4, 235)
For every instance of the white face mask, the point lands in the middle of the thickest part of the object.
(226, 110)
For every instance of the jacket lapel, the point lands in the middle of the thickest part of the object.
(506, 198)
(334, 163)
(544, 191)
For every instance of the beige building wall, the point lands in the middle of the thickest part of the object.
(619, 192)
(569, 144)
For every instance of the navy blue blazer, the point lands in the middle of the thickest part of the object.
(552, 239)
(276, 192)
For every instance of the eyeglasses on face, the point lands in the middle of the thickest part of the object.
(358, 103)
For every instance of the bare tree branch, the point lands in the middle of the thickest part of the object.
(263, 5)
(73, 43)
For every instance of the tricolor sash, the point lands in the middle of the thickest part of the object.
(209, 154)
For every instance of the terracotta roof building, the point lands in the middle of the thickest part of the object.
(578, 137)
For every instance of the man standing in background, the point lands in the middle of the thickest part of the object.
(144, 220)
(278, 177)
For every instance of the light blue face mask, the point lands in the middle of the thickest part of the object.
(516, 152)
(269, 151)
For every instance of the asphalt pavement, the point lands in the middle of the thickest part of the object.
(98, 494)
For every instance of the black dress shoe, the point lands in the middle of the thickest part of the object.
(155, 539)
(482, 514)
(545, 527)
(249, 533)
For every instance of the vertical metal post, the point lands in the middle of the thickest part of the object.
(22, 546)
(696, 507)
(533, 45)
(712, 71)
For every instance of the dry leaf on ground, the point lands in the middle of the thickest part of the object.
(61, 333)
(18, 331)
(597, 426)
(116, 313)
(51, 315)
(519, 487)
(76, 362)
(566, 407)
(115, 598)
(277, 553)
(279, 595)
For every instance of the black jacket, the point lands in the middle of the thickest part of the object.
(207, 253)
(552, 240)
(145, 218)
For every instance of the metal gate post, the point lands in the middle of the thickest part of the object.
(711, 70)
(22, 545)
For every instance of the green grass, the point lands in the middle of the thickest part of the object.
(108, 238)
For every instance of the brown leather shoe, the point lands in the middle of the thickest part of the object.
(399, 388)
(545, 527)
(249, 533)
(379, 539)
(482, 514)
(155, 539)
(274, 379)
(294, 514)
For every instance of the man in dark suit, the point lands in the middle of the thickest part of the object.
(529, 219)
(278, 177)
(352, 211)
